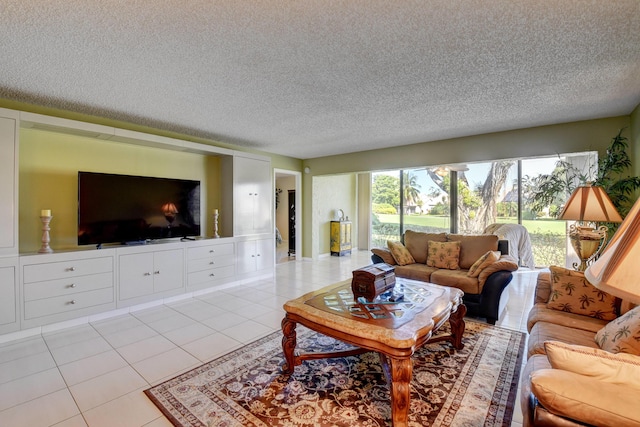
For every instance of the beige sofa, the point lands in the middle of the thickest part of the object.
(482, 294)
(582, 390)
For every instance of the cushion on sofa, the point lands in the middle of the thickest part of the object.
(457, 279)
(416, 243)
(621, 334)
(385, 254)
(585, 399)
(621, 368)
(415, 271)
(505, 263)
(541, 313)
(571, 292)
(543, 331)
(400, 253)
(443, 255)
(483, 262)
(473, 246)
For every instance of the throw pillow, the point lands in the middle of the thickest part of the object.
(621, 335)
(599, 364)
(571, 292)
(443, 255)
(483, 262)
(400, 253)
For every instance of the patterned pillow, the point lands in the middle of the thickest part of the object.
(483, 262)
(621, 335)
(443, 255)
(572, 293)
(400, 253)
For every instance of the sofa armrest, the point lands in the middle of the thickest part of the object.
(505, 263)
(543, 288)
(585, 399)
(379, 255)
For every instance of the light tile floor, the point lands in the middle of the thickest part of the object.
(94, 374)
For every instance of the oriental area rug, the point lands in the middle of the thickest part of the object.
(475, 386)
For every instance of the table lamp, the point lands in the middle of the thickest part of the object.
(616, 270)
(588, 204)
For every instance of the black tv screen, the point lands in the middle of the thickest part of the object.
(122, 208)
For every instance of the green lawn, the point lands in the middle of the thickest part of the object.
(540, 225)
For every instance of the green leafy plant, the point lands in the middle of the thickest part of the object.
(610, 173)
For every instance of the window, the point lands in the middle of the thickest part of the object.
(482, 194)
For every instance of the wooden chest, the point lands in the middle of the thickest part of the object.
(373, 280)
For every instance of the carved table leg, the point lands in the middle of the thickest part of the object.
(401, 373)
(289, 345)
(456, 320)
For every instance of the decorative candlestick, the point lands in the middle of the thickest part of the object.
(215, 223)
(45, 217)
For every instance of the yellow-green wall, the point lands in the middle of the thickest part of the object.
(331, 193)
(49, 164)
(590, 135)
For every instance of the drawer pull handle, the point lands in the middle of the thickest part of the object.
(147, 274)
(211, 263)
(156, 272)
(211, 251)
(72, 301)
(71, 269)
(73, 285)
(211, 275)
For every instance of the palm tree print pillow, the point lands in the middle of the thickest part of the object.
(572, 293)
(443, 255)
(621, 335)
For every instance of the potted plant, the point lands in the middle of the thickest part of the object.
(611, 174)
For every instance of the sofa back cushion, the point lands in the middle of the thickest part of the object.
(473, 246)
(416, 243)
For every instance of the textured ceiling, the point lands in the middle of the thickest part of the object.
(321, 77)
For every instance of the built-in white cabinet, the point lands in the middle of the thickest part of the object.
(63, 286)
(9, 316)
(255, 255)
(41, 289)
(212, 264)
(252, 195)
(150, 272)
(8, 182)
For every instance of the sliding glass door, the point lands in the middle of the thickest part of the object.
(473, 199)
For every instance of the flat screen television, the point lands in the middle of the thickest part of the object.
(124, 209)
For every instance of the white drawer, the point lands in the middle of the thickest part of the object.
(205, 251)
(210, 262)
(211, 275)
(53, 288)
(63, 269)
(67, 303)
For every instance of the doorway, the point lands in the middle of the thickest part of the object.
(287, 215)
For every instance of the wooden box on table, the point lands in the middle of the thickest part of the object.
(373, 280)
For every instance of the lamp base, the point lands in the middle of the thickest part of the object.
(587, 242)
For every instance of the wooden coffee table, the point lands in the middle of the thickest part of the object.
(393, 329)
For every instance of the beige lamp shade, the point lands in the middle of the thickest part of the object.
(617, 271)
(590, 203)
(169, 208)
